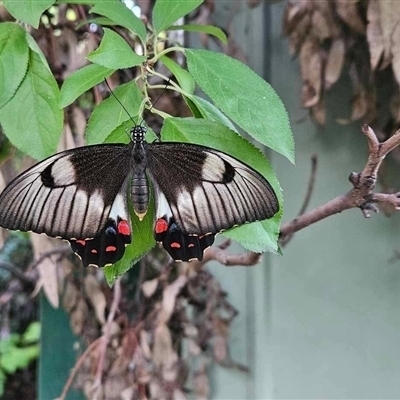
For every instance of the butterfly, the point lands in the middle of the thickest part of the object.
(82, 195)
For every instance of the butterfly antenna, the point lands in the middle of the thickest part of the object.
(116, 98)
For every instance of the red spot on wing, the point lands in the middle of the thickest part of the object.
(161, 226)
(81, 242)
(123, 228)
(175, 245)
(94, 251)
(111, 248)
(191, 245)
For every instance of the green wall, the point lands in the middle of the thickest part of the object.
(323, 320)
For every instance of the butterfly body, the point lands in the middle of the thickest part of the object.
(82, 195)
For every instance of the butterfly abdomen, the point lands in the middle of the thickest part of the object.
(140, 193)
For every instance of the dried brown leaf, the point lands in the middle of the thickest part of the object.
(359, 105)
(363, 106)
(220, 348)
(190, 330)
(179, 395)
(128, 394)
(334, 63)
(156, 391)
(296, 24)
(295, 11)
(311, 70)
(70, 297)
(321, 27)
(396, 51)
(194, 348)
(169, 298)
(79, 316)
(149, 287)
(144, 338)
(318, 112)
(201, 384)
(324, 13)
(375, 37)
(389, 19)
(96, 297)
(163, 353)
(129, 344)
(114, 385)
(47, 268)
(348, 12)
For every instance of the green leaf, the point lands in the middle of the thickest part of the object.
(9, 343)
(210, 30)
(28, 11)
(82, 80)
(142, 242)
(257, 236)
(32, 120)
(14, 55)
(244, 97)
(114, 52)
(109, 114)
(32, 333)
(207, 110)
(35, 47)
(18, 358)
(166, 12)
(185, 80)
(83, 2)
(102, 21)
(121, 15)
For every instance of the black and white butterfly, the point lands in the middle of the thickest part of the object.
(82, 195)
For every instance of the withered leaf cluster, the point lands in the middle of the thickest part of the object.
(358, 40)
(165, 335)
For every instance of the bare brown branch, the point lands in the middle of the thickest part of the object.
(219, 253)
(361, 194)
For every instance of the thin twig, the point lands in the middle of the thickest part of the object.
(62, 250)
(16, 272)
(311, 184)
(76, 368)
(216, 253)
(310, 188)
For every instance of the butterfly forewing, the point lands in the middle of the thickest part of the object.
(68, 195)
(208, 190)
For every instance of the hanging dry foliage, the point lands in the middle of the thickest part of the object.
(358, 39)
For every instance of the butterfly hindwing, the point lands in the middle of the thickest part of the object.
(208, 190)
(68, 195)
(180, 246)
(108, 246)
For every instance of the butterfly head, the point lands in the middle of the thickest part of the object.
(138, 133)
